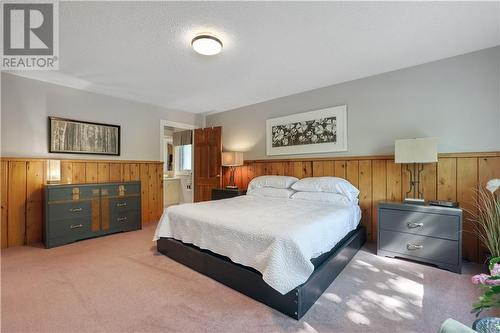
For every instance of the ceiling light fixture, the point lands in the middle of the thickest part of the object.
(206, 44)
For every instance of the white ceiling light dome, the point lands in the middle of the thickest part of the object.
(206, 44)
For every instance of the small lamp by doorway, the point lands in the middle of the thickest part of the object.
(416, 152)
(232, 159)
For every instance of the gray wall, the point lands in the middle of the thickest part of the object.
(26, 104)
(455, 99)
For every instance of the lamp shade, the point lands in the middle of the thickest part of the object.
(232, 158)
(53, 171)
(421, 150)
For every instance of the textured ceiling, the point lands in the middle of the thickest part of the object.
(141, 50)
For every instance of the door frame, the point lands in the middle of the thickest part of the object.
(185, 126)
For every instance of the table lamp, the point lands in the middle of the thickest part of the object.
(53, 170)
(416, 151)
(232, 159)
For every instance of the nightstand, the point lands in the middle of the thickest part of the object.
(226, 193)
(429, 234)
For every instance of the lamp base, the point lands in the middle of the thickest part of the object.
(414, 201)
(231, 187)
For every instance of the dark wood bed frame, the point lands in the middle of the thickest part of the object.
(249, 281)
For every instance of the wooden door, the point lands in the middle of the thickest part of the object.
(207, 162)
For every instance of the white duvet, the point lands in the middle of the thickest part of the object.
(277, 237)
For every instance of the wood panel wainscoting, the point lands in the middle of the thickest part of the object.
(22, 181)
(378, 178)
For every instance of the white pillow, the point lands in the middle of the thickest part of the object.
(324, 197)
(272, 181)
(271, 192)
(327, 184)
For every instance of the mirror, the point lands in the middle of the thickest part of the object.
(170, 157)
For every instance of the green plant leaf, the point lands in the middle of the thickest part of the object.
(495, 260)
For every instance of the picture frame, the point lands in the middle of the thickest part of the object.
(318, 131)
(70, 136)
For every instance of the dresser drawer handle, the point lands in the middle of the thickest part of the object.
(413, 225)
(121, 219)
(75, 226)
(76, 209)
(414, 246)
(121, 204)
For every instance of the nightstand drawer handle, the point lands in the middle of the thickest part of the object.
(121, 219)
(75, 209)
(413, 225)
(414, 246)
(75, 226)
(121, 204)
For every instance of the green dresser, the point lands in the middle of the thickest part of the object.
(79, 211)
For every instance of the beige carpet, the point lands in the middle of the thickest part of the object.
(120, 283)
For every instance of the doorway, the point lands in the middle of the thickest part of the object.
(176, 142)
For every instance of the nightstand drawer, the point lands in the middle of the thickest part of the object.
(427, 248)
(426, 224)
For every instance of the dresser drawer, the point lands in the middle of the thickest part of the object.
(124, 204)
(71, 229)
(69, 210)
(123, 221)
(75, 192)
(434, 249)
(426, 224)
(114, 190)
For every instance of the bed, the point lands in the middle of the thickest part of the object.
(279, 251)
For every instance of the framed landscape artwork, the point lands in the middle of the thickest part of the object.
(81, 137)
(319, 131)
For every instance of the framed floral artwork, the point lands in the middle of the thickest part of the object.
(319, 131)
